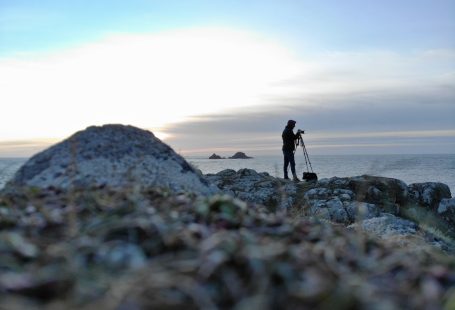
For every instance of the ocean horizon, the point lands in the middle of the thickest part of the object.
(410, 168)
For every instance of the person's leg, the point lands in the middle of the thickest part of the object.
(292, 162)
(286, 164)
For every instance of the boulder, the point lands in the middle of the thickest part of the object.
(446, 210)
(429, 194)
(337, 205)
(387, 225)
(388, 193)
(113, 156)
(404, 233)
(361, 210)
(347, 200)
(259, 188)
(362, 196)
(240, 155)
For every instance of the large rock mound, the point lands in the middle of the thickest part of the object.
(113, 156)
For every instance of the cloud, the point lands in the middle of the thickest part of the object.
(347, 108)
(227, 135)
(236, 87)
(146, 80)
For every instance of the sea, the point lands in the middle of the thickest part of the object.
(408, 168)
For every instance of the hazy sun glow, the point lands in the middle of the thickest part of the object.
(143, 80)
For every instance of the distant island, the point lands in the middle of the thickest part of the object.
(215, 156)
(240, 155)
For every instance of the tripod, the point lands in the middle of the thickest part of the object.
(308, 176)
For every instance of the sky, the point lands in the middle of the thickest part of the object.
(359, 76)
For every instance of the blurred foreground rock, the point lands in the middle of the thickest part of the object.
(110, 249)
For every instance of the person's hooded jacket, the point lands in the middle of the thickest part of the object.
(289, 138)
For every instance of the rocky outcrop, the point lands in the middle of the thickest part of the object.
(254, 187)
(240, 155)
(446, 210)
(346, 200)
(340, 200)
(388, 193)
(215, 156)
(335, 201)
(386, 226)
(380, 206)
(114, 156)
(429, 194)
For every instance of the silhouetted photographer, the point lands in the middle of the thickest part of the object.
(289, 143)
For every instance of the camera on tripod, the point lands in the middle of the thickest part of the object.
(307, 176)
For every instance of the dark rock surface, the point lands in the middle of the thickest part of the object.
(429, 194)
(254, 187)
(240, 155)
(215, 156)
(112, 156)
(446, 210)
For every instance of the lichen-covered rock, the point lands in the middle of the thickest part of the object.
(361, 210)
(346, 200)
(388, 193)
(332, 210)
(429, 194)
(318, 193)
(387, 225)
(113, 156)
(446, 210)
(352, 199)
(341, 211)
(338, 201)
(251, 186)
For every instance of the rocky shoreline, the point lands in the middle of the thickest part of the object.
(382, 206)
(112, 218)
